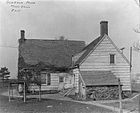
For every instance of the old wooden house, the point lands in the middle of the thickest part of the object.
(52, 57)
(100, 64)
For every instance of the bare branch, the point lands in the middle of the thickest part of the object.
(136, 2)
(137, 29)
(136, 46)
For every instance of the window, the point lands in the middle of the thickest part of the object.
(61, 79)
(48, 79)
(112, 58)
(43, 78)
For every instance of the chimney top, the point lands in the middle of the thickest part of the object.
(22, 32)
(103, 28)
(104, 22)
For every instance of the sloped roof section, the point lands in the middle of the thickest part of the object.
(87, 49)
(91, 47)
(99, 78)
(56, 53)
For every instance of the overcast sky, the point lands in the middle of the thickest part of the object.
(74, 19)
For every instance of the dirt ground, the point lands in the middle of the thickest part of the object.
(45, 106)
(131, 105)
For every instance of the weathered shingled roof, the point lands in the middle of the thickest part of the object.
(56, 53)
(99, 78)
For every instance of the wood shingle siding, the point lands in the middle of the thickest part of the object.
(76, 81)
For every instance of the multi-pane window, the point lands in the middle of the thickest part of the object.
(112, 58)
(61, 79)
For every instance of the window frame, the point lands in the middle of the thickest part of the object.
(112, 59)
(61, 78)
(44, 82)
(48, 80)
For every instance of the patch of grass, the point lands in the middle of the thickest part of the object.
(136, 87)
(129, 105)
(46, 106)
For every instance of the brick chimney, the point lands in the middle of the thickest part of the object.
(22, 33)
(103, 28)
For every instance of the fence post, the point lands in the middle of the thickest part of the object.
(39, 92)
(9, 92)
(139, 103)
(12, 91)
(24, 93)
(120, 96)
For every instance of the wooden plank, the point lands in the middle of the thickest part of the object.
(95, 70)
(103, 50)
(97, 61)
(105, 65)
(39, 93)
(106, 39)
(125, 81)
(119, 61)
(99, 54)
(122, 64)
(107, 55)
(54, 77)
(9, 92)
(125, 77)
(120, 71)
(105, 42)
(54, 81)
(125, 88)
(106, 47)
(120, 95)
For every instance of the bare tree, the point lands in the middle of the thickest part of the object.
(4, 73)
(137, 29)
(136, 46)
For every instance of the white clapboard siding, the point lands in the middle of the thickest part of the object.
(76, 84)
(99, 60)
(54, 84)
(43, 87)
(54, 79)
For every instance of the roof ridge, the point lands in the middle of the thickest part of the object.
(56, 40)
(92, 42)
